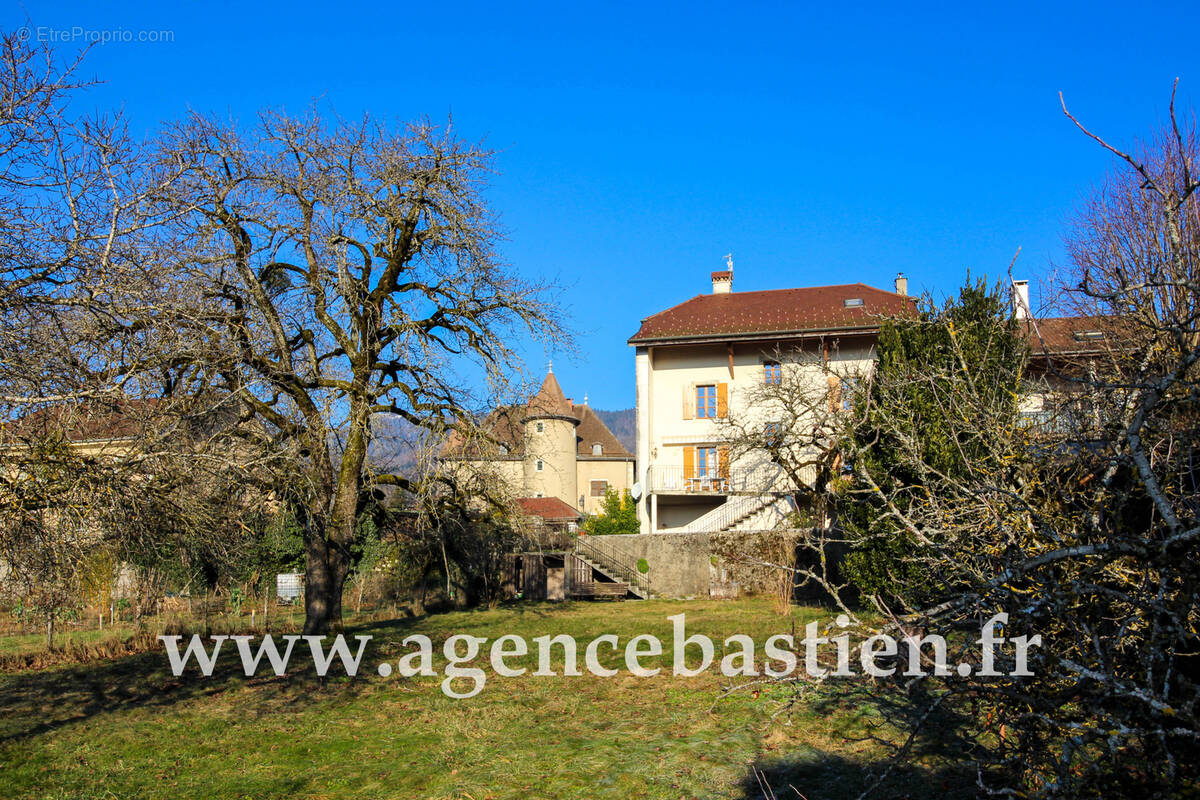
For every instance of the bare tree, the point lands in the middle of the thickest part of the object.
(72, 213)
(329, 272)
(785, 437)
(131, 484)
(81, 360)
(1080, 526)
(308, 273)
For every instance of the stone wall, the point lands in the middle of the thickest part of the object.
(690, 565)
(679, 562)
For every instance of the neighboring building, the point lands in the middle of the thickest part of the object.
(92, 428)
(115, 427)
(109, 432)
(697, 360)
(549, 447)
(1058, 397)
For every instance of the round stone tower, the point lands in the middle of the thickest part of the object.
(550, 422)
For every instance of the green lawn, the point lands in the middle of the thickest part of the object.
(127, 728)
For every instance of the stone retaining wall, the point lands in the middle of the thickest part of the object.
(690, 565)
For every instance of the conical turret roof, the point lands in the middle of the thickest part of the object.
(550, 400)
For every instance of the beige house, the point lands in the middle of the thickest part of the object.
(700, 362)
(550, 447)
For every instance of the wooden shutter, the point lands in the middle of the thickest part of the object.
(689, 463)
(689, 402)
(835, 393)
(722, 399)
(723, 462)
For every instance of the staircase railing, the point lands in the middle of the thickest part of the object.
(615, 560)
(727, 514)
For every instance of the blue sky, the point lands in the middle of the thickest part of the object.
(640, 144)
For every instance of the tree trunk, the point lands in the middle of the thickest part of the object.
(319, 588)
(419, 596)
(329, 530)
(327, 564)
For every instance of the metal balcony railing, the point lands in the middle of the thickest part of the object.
(755, 480)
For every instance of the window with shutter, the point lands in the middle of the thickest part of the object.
(772, 372)
(707, 404)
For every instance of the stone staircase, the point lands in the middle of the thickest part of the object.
(742, 513)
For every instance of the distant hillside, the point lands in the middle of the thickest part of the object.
(393, 444)
(623, 424)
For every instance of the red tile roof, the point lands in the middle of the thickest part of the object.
(779, 311)
(1075, 335)
(122, 418)
(550, 509)
(592, 430)
(87, 420)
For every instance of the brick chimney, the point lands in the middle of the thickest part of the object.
(901, 284)
(722, 281)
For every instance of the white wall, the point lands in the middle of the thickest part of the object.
(666, 380)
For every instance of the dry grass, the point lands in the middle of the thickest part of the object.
(127, 728)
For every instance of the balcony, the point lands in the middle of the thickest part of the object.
(670, 479)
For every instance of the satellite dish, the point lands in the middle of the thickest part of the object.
(636, 491)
